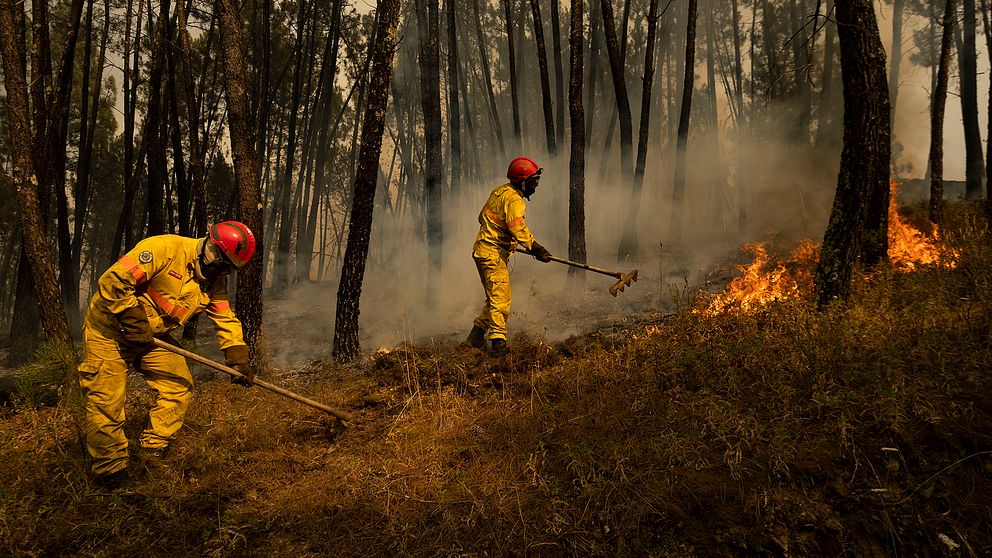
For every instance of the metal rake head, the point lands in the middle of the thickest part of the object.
(625, 280)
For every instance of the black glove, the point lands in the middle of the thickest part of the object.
(540, 252)
(135, 326)
(236, 357)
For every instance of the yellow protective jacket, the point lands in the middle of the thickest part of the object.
(502, 224)
(158, 274)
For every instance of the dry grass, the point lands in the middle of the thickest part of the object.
(864, 430)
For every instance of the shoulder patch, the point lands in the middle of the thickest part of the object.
(145, 257)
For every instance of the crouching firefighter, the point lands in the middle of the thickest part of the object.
(502, 228)
(151, 291)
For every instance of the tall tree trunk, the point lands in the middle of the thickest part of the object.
(628, 242)
(249, 296)
(25, 181)
(430, 98)
(454, 110)
(559, 73)
(678, 190)
(346, 345)
(542, 64)
(192, 103)
(968, 57)
(595, 23)
(577, 156)
(484, 57)
(716, 199)
(281, 274)
(122, 232)
(157, 166)
(511, 62)
(895, 57)
(987, 26)
(618, 72)
(937, 102)
(864, 163)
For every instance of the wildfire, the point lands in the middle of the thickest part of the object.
(764, 281)
(910, 248)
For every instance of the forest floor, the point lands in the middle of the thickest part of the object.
(864, 430)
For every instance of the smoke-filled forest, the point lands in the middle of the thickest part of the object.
(750, 308)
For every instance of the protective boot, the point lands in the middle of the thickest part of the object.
(499, 348)
(477, 338)
(117, 482)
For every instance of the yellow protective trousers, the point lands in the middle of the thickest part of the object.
(103, 378)
(496, 281)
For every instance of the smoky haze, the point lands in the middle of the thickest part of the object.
(787, 183)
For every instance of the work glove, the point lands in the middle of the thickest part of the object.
(135, 326)
(236, 357)
(540, 252)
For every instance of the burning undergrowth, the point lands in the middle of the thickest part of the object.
(770, 278)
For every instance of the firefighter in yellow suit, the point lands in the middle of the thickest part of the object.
(502, 228)
(154, 289)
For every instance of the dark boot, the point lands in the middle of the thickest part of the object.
(499, 348)
(118, 481)
(477, 338)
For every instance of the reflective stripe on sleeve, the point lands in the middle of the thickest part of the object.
(492, 215)
(134, 269)
(514, 223)
(164, 305)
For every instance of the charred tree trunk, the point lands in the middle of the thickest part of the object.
(511, 62)
(430, 98)
(937, 104)
(987, 26)
(25, 181)
(678, 190)
(864, 164)
(249, 297)
(618, 72)
(346, 345)
(969, 104)
(542, 64)
(628, 243)
(454, 110)
(192, 103)
(577, 156)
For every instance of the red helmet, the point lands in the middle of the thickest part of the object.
(521, 169)
(235, 241)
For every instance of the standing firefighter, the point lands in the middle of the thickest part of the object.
(502, 228)
(154, 289)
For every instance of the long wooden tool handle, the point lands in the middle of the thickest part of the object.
(587, 267)
(260, 383)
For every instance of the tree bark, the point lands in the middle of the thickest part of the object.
(577, 156)
(628, 242)
(678, 191)
(542, 64)
(346, 344)
(122, 233)
(559, 73)
(25, 181)
(987, 26)
(430, 99)
(937, 103)
(864, 164)
(454, 110)
(157, 166)
(895, 57)
(193, 105)
(249, 295)
(511, 62)
(968, 57)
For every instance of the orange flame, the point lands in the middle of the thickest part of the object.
(762, 281)
(908, 247)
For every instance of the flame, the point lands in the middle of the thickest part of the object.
(908, 247)
(763, 281)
